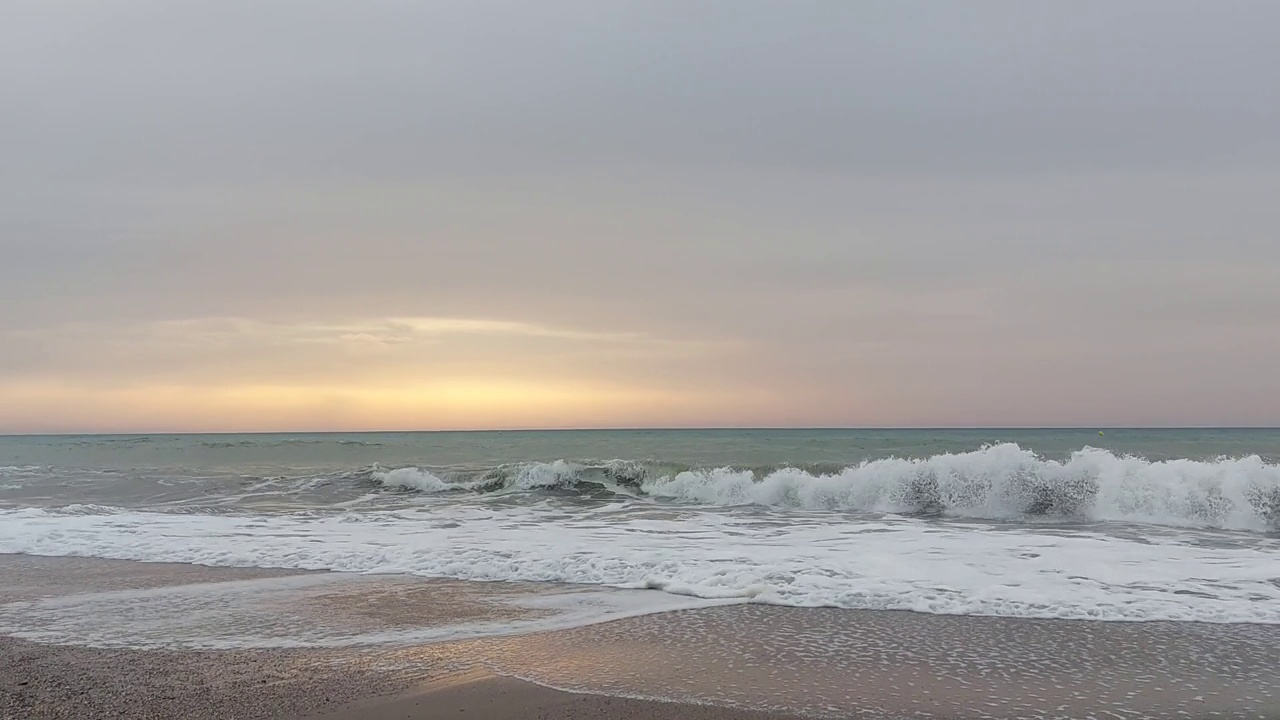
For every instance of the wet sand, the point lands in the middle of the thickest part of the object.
(71, 681)
(131, 640)
(844, 663)
(486, 696)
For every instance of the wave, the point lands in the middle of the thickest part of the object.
(579, 477)
(110, 441)
(996, 482)
(291, 442)
(19, 469)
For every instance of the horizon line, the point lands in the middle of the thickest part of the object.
(727, 428)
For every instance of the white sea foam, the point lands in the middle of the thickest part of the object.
(997, 482)
(533, 476)
(19, 472)
(411, 478)
(508, 478)
(788, 557)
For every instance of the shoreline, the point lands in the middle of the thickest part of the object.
(106, 638)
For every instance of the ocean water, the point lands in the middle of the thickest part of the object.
(1127, 525)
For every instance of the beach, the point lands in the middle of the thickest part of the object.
(704, 361)
(697, 574)
(41, 681)
(494, 697)
(88, 638)
(75, 680)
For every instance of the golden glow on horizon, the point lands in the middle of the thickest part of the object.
(462, 403)
(238, 374)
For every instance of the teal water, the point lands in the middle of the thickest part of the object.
(1207, 477)
(737, 448)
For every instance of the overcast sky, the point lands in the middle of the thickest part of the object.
(255, 215)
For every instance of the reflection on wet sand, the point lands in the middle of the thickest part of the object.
(266, 642)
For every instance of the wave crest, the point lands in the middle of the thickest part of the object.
(410, 478)
(1006, 481)
(995, 482)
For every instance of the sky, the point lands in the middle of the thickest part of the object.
(323, 215)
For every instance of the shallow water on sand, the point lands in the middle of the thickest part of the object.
(819, 662)
(893, 664)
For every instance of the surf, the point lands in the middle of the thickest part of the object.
(995, 482)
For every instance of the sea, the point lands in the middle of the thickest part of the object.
(1099, 524)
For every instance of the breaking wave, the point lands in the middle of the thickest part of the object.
(997, 482)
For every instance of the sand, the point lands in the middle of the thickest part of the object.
(99, 638)
(39, 680)
(487, 696)
(72, 682)
(55, 683)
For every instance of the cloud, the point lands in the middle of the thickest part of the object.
(895, 213)
(243, 348)
(391, 373)
(457, 403)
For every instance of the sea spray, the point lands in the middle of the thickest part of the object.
(996, 482)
